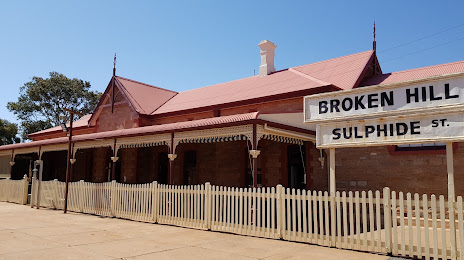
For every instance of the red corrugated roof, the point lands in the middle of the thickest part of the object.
(342, 72)
(82, 122)
(145, 98)
(209, 122)
(419, 73)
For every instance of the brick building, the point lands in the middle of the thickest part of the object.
(240, 133)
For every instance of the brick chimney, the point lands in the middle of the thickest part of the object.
(267, 58)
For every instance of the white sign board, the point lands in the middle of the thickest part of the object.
(385, 100)
(445, 126)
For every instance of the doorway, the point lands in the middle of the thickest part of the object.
(295, 163)
(190, 167)
(163, 168)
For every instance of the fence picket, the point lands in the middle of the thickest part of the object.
(452, 227)
(326, 218)
(310, 219)
(351, 211)
(418, 225)
(378, 224)
(358, 224)
(433, 204)
(443, 226)
(345, 220)
(305, 215)
(460, 228)
(339, 221)
(402, 229)
(371, 220)
(394, 220)
(364, 219)
(425, 209)
(409, 213)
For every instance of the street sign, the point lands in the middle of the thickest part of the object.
(389, 100)
(444, 126)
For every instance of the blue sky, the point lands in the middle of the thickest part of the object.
(181, 45)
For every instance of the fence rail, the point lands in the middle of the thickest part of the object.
(376, 221)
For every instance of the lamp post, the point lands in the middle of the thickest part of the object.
(68, 167)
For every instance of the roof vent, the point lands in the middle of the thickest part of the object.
(267, 58)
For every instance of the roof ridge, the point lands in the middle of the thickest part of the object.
(421, 68)
(323, 61)
(148, 85)
(304, 75)
(130, 98)
(218, 84)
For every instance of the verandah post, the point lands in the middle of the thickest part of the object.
(387, 220)
(450, 170)
(279, 211)
(331, 198)
(208, 205)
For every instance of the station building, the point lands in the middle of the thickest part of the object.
(243, 133)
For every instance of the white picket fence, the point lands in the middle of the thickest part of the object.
(14, 190)
(383, 222)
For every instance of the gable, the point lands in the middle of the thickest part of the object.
(344, 72)
(130, 97)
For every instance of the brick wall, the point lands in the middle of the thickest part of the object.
(219, 163)
(100, 164)
(280, 106)
(123, 117)
(372, 168)
(128, 165)
(274, 158)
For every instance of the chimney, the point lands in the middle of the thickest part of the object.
(267, 58)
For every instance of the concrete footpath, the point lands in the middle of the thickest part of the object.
(27, 233)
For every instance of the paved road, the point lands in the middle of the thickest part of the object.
(27, 233)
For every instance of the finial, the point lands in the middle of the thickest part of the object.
(374, 44)
(114, 65)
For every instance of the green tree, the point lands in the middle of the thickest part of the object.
(41, 101)
(8, 132)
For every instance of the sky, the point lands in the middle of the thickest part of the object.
(182, 45)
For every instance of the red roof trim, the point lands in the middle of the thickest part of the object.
(126, 95)
(148, 85)
(361, 77)
(287, 95)
(94, 112)
(209, 123)
(38, 134)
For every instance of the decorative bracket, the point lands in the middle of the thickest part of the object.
(255, 153)
(172, 156)
(12, 163)
(114, 159)
(72, 161)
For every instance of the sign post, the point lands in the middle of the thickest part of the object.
(450, 168)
